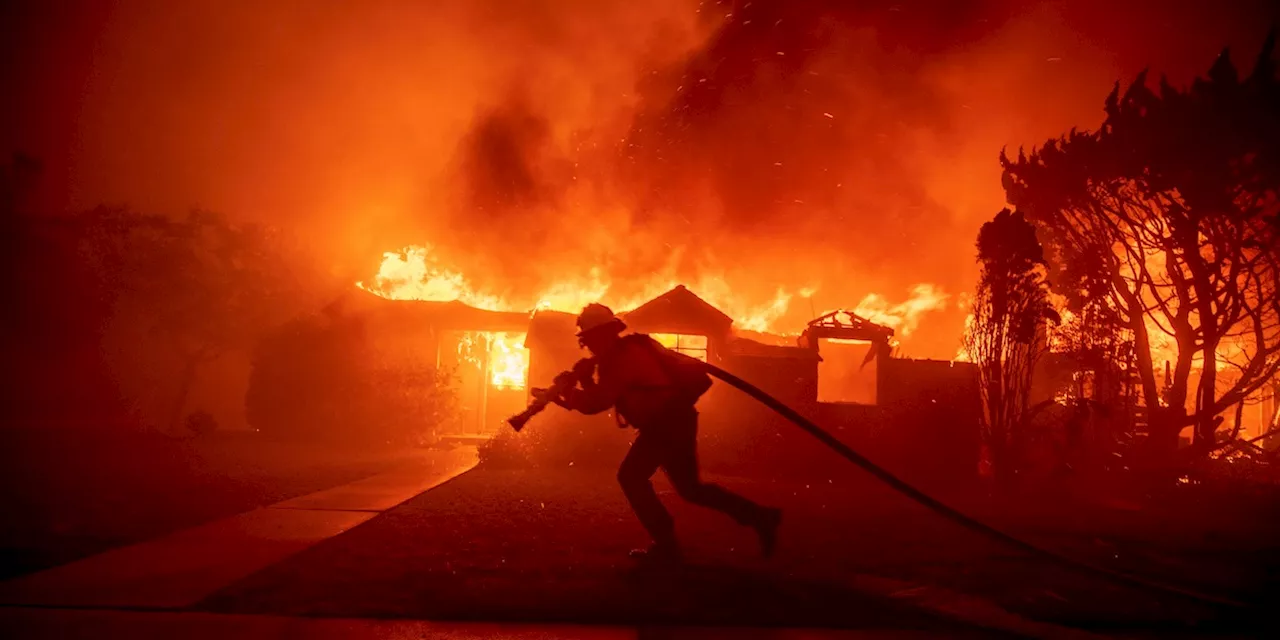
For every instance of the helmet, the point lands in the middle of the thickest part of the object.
(597, 316)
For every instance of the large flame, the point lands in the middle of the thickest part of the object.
(500, 356)
(415, 273)
(904, 317)
(508, 361)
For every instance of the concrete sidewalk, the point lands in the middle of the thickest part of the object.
(180, 569)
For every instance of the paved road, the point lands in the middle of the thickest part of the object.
(148, 590)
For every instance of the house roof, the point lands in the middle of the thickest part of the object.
(453, 315)
(552, 328)
(678, 311)
(847, 325)
(742, 346)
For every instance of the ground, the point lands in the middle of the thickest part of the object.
(72, 493)
(551, 546)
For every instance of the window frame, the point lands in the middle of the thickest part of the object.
(702, 352)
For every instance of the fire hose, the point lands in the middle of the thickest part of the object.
(544, 397)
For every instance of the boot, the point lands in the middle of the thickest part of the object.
(766, 527)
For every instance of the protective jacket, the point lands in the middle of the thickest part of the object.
(635, 380)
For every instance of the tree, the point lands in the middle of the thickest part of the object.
(1005, 337)
(18, 178)
(196, 287)
(54, 309)
(323, 379)
(1171, 208)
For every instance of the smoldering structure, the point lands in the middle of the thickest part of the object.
(918, 417)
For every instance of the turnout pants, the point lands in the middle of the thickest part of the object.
(672, 445)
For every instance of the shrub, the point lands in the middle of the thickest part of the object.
(558, 440)
(201, 422)
(319, 380)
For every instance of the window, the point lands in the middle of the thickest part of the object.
(688, 344)
(844, 374)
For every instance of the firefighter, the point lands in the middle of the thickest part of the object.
(654, 391)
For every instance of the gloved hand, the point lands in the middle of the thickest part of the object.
(585, 370)
(565, 380)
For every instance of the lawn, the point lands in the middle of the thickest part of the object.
(551, 546)
(69, 494)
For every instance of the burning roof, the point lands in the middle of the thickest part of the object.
(418, 273)
(679, 311)
(847, 325)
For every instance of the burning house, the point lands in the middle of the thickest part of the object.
(919, 417)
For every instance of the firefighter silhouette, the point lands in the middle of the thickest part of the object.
(653, 390)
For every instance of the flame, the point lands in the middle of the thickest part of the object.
(691, 345)
(504, 354)
(508, 360)
(1163, 345)
(904, 317)
(415, 273)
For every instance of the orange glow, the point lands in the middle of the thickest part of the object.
(528, 133)
(690, 345)
(501, 356)
(416, 273)
(508, 361)
(1163, 345)
(904, 317)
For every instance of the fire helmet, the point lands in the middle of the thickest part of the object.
(597, 316)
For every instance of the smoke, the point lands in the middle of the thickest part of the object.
(843, 147)
(847, 148)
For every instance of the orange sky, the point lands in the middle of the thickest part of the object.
(774, 145)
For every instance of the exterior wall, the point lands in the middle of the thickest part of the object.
(937, 407)
(925, 429)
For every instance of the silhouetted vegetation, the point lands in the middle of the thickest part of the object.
(322, 378)
(1006, 336)
(194, 288)
(56, 306)
(1166, 217)
(114, 314)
